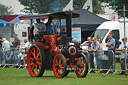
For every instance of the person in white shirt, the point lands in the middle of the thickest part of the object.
(27, 44)
(6, 45)
(39, 28)
(122, 49)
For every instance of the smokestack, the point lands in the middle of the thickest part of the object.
(69, 24)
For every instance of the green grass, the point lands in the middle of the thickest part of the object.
(14, 76)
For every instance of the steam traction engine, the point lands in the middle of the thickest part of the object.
(54, 52)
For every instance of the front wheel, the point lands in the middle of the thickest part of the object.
(82, 66)
(59, 66)
(36, 61)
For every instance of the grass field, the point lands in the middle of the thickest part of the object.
(14, 76)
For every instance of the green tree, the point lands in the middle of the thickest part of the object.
(117, 5)
(4, 11)
(36, 6)
(44, 6)
(58, 5)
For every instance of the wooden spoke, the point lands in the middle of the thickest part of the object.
(59, 71)
(32, 64)
(61, 67)
(36, 71)
(38, 63)
(57, 62)
(56, 69)
(31, 58)
(60, 60)
(33, 54)
(38, 55)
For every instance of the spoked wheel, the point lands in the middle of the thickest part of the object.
(59, 66)
(36, 61)
(82, 66)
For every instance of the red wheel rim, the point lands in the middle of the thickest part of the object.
(34, 61)
(81, 69)
(58, 66)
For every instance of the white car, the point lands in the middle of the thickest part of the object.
(84, 45)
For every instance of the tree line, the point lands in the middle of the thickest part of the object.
(45, 6)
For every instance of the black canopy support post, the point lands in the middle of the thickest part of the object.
(30, 35)
(69, 24)
(60, 23)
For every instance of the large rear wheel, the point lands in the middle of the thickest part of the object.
(59, 66)
(36, 61)
(82, 66)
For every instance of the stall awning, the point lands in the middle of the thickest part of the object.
(4, 24)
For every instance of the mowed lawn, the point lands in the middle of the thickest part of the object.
(14, 76)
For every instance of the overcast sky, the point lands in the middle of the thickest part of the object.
(16, 6)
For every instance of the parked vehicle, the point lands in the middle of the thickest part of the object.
(22, 29)
(117, 27)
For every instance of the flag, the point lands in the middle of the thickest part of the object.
(9, 8)
(88, 5)
(69, 6)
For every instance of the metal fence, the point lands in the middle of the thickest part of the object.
(14, 58)
(109, 61)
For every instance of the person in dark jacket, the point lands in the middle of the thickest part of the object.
(15, 47)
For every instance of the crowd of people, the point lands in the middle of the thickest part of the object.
(10, 51)
(95, 50)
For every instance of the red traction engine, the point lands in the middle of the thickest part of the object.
(53, 52)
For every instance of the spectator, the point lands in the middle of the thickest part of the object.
(92, 67)
(101, 45)
(111, 42)
(39, 29)
(6, 45)
(49, 28)
(98, 52)
(27, 45)
(111, 46)
(16, 46)
(1, 52)
(122, 49)
(98, 38)
(100, 41)
(9, 59)
(76, 43)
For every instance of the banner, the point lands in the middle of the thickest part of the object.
(69, 6)
(76, 33)
(88, 6)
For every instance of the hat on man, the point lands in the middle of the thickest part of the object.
(15, 34)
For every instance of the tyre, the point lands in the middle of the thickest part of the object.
(59, 66)
(82, 66)
(36, 61)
